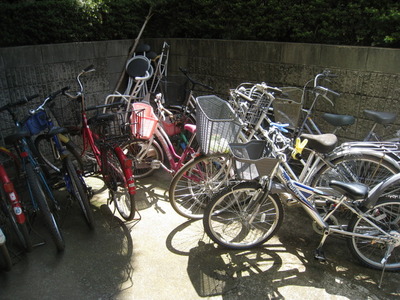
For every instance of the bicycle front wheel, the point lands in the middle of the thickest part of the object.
(49, 156)
(195, 183)
(78, 191)
(370, 252)
(242, 217)
(40, 197)
(117, 184)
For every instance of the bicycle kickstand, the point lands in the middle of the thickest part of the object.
(384, 261)
(319, 253)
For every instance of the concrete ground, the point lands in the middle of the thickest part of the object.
(165, 256)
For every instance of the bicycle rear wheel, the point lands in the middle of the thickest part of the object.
(194, 184)
(241, 217)
(117, 184)
(142, 154)
(39, 195)
(370, 252)
(78, 191)
(366, 169)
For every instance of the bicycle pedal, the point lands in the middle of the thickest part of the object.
(155, 164)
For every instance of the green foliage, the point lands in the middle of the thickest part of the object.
(348, 22)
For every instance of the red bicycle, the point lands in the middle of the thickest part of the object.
(10, 203)
(103, 134)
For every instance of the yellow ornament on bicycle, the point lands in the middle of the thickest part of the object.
(298, 148)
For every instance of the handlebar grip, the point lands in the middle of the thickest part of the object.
(89, 68)
(61, 91)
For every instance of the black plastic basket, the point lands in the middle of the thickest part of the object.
(217, 124)
(37, 122)
(174, 89)
(253, 159)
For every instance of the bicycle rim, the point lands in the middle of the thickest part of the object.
(142, 154)
(240, 217)
(40, 198)
(118, 187)
(370, 252)
(365, 169)
(194, 184)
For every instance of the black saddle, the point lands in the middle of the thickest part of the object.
(380, 117)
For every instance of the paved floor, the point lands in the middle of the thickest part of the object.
(164, 256)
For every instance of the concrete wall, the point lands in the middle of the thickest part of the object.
(368, 77)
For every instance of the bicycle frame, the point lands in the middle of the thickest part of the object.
(12, 195)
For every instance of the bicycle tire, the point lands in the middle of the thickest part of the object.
(153, 152)
(117, 184)
(239, 217)
(366, 169)
(371, 252)
(36, 188)
(78, 192)
(193, 185)
(20, 229)
(43, 143)
(5, 258)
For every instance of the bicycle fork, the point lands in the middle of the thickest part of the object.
(13, 196)
(126, 165)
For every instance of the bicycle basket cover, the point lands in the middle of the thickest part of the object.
(37, 122)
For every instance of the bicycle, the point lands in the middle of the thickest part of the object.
(11, 204)
(249, 213)
(103, 133)
(192, 187)
(40, 193)
(5, 257)
(66, 163)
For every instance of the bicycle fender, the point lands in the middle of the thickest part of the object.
(376, 192)
(362, 151)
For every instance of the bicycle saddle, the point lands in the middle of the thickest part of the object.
(322, 143)
(338, 120)
(380, 117)
(352, 190)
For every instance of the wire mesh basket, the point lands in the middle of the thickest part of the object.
(66, 111)
(253, 159)
(250, 102)
(110, 128)
(143, 121)
(217, 124)
(287, 107)
(174, 89)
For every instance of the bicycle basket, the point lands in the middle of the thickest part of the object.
(37, 122)
(66, 111)
(173, 89)
(217, 124)
(287, 108)
(253, 159)
(143, 120)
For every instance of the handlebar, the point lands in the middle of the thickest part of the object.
(20, 102)
(194, 82)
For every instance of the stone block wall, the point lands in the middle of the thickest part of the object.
(368, 78)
